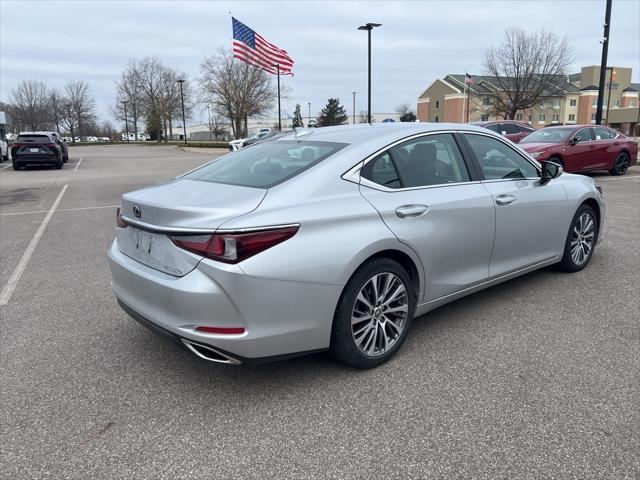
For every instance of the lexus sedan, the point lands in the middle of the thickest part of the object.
(583, 148)
(512, 129)
(336, 238)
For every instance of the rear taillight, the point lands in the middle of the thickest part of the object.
(234, 247)
(120, 223)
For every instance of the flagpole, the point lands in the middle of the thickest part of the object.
(464, 98)
(279, 116)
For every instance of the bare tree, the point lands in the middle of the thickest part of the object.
(77, 108)
(235, 90)
(30, 105)
(55, 107)
(406, 113)
(129, 92)
(525, 67)
(150, 76)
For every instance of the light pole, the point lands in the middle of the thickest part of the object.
(209, 115)
(609, 96)
(603, 62)
(354, 107)
(126, 122)
(184, 123)
(309, 103)
(368, 27)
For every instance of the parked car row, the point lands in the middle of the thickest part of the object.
(240, 143)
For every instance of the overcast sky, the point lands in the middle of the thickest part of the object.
(58, 41)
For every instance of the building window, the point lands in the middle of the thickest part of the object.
(572, 102)
(617, 104)
(541, 118)
(529, 118)
(555, 118)
(437, 104)
(595, 103)
(572, 117)
(484, 118)
(593, 118)
(486, 101)
(436, 119)
(519, 117)
(556, 103)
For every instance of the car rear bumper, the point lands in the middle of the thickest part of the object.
(281, 319)
(35, 159)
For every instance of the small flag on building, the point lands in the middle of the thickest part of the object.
(469, 79)
(250, 47)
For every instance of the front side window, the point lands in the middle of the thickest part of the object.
(420, 162)
(509, 129)
(499, 161)
(584, 135)
(266, 164)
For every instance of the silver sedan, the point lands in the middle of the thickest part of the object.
(336, 238)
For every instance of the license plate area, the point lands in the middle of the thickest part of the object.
(34, 150)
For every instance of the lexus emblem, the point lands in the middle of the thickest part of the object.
(136, 211)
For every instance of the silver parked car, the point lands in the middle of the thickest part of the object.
(336, 238)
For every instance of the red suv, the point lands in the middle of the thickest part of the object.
(513, 130)
(581, 148)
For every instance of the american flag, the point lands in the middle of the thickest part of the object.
(469, 79)
(250, 47)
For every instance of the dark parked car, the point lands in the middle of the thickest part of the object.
(580, 148)
(31, 148)
(513, 130)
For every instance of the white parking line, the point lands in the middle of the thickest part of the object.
(6, 166)
(8, 289)
(61, 210)
(630, 177)
(77, 165)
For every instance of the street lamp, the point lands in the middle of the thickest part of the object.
(354, 107)
(209, 115)
(126, 122)
(184, 123)
(309, 103)
(368, 27)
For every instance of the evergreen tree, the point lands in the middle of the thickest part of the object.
(332, 114)
(408, 117)
(297, 117)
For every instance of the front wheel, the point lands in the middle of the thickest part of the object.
(581, 240)
(620, 165)
(373, 314)
(16, 165)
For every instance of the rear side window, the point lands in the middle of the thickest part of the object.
(499, 161)
(33, 139)
(603, 133)
(264, 165)
(424, 161)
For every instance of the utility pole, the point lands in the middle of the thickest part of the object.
(279, 114)
(309, 103)
(603, 62)
(368, 27)
(126, 122)
(354, 107)
(209, 115)
(184, 122)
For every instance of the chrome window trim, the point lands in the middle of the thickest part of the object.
(353, 174)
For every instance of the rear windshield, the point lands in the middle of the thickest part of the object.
(33, 139)
(264, 165)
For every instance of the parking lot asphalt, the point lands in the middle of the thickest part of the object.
(535, 378)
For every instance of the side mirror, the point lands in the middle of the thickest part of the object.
(550, 170)
(574, 140)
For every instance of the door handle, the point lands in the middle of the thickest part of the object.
(411, 210)
(505, 199)
(592, 146)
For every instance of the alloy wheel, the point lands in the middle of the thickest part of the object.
(622, 165)
(582, 239)
(379, 314)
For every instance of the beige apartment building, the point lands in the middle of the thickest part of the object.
(572, 99)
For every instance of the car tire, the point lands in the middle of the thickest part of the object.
(384, 319)
(16, 165)
(556, 160)
(59, 163)
(620, 165)
(65, 159)
(583, 234)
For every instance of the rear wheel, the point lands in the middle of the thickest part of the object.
(620, 165)
(16, 165)
(58, 163)
(65, 159)
(581, 240)
(373, 314)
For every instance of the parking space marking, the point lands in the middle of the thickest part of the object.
(77, 165)
(630, 177)
(8, 289)
(12, 214)
(6, 166)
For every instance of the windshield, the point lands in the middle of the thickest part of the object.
(549, 135)
(265, 164)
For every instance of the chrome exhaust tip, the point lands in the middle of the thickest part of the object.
(209, 353)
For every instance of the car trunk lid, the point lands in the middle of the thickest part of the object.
(179, 207)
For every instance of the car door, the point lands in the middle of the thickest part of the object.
(605, 150)
(428, 197)
(531, 219)
(581, 155)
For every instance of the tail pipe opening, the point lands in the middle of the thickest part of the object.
(209, 353)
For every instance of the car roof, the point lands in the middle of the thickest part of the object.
(377, 132)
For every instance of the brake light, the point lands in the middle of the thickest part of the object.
(120, 223)
(234, 247)
(221, 330)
